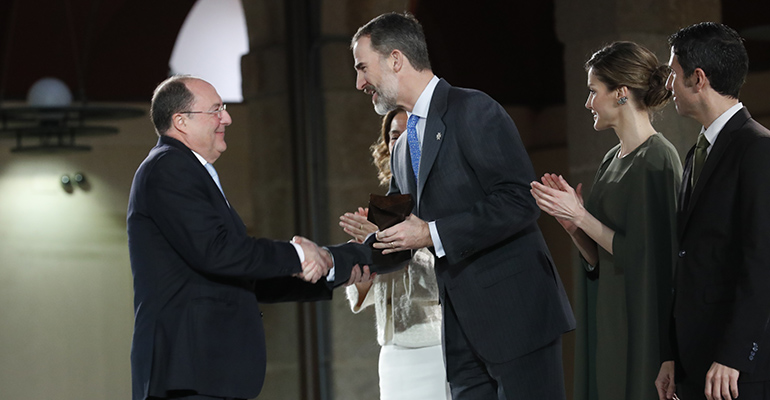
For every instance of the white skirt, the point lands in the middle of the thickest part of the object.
(413, 373)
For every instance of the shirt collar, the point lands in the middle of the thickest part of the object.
(713, 130)
(422, 105)
(199, 157)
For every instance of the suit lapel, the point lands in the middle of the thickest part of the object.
(712, 161)
(434, 135)
(205, 176)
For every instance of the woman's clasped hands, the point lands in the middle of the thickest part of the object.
(557, 198)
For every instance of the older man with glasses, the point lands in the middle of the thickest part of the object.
(198, 276)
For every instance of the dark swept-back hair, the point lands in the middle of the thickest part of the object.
(170, 97)
(718, 50)
(635, 67)
(393, 31)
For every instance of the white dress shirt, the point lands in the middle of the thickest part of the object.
(713, 130)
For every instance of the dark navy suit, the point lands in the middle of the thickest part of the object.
(197, 280)
(722, 289)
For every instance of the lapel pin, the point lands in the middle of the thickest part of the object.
(438, 136)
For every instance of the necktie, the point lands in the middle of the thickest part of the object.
(215, 177)
(699, 157)
(414, 144)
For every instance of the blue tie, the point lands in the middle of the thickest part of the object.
(215, 177)
(414, 144)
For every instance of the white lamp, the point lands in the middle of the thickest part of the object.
(49, 92)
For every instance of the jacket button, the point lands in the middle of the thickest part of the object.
(682, 253)
(754, 347)
(751, 358)
(261, 314)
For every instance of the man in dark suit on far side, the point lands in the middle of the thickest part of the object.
(719, 344)
(504, 306)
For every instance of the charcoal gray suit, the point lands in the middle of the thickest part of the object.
(502, 295)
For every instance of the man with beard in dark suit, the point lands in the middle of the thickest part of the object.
(504, 306)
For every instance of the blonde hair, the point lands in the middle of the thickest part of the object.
(380, 149)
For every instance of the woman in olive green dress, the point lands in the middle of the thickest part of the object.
(625, 232)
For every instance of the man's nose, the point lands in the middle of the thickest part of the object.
(360, 81)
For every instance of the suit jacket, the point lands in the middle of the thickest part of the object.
(198, 278)
(722, 289)
(474, 182)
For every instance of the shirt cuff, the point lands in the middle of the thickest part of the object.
(300, 252)
(330, 276)
(301, 255)
(437, 245)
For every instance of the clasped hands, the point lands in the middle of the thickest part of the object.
(318, 261)
(557, 198)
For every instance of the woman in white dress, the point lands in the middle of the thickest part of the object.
(408, 314)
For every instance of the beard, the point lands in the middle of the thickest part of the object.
(387, 95)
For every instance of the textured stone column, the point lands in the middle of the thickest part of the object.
(349, 126)
(266, 96)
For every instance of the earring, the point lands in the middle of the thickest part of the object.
(622, 100)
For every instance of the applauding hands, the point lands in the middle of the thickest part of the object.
(357, 225)
(557, 198)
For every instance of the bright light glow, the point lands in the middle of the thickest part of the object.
(210, 45)
(38, 214)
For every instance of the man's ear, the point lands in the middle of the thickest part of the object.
(396, 60)
(699, 79)
(179, 122)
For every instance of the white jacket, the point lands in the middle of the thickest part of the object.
(405, 304)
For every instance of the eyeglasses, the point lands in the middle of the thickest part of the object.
(217, 112)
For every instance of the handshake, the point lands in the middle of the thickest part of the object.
(350, 260)
(318, 261)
